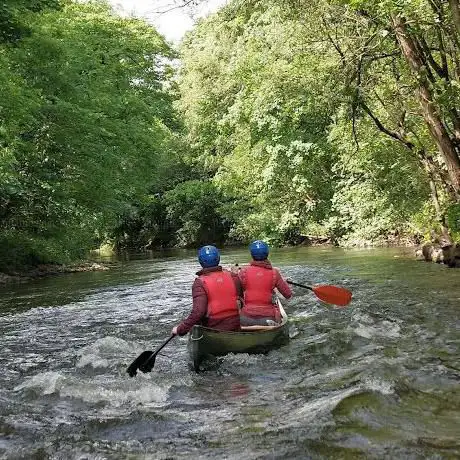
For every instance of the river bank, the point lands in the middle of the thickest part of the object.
(44, 270)
(430, 252)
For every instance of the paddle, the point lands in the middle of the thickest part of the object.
(329, 294)
(146, 360)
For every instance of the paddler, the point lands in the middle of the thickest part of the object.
(216, 294)
(259, 280)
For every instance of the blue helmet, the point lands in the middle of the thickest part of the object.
(259, 250)
(208, 256)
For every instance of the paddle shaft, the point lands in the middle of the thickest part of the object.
(163, 344)
(299, 285)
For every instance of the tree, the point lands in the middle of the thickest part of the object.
(14, 14)
(267, 87)
(95, 121)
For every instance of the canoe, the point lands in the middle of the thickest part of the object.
(206, 342)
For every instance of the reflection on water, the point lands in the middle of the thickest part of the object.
(379, 379)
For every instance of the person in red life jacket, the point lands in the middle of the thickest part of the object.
(216, 296)
(259, 280)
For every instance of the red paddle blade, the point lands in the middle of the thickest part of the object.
(333, 294)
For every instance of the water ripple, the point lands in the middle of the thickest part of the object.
(379, 379)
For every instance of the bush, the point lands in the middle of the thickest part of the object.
(19, 250)
(194, 206)
(453, 220)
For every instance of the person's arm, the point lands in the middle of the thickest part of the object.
(284, 288)
(242, 278)
(199, 309)
(238, 285)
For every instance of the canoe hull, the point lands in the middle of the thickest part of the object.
(205, 342)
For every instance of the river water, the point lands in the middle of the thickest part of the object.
(378, 379)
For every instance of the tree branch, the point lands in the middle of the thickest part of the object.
(334, 44)
(455, 9)
(441, 71)
(393, 134)
(424, 58)
(172, 8)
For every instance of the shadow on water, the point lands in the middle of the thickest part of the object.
(379, 379)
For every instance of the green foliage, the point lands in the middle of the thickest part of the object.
(380, 189)
(189, 214)
(22, 250)
(294, 118)
(424, 223)
(14, 15)
(193, 206)
(258, 115)
(308, 114)
(143, 225)
(453, 218)
(84, 120)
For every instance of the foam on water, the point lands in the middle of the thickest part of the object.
(103, 352)
(111, 392)
(367, 327)
(116, 395)
(45, 383)
(378, 385)
(384, 329)
(313, 410)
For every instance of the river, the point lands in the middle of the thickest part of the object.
(377, 379)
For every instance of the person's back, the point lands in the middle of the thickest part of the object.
(259, 280)
(219, 286)
(216, 293)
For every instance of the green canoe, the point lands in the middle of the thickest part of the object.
(204, 342)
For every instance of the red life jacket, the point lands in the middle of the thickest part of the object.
(258, 283)
(222, 295)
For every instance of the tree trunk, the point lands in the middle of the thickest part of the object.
(440, 216)
(455, 8)
(435, 125)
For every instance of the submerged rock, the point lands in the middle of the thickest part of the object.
(449, 254)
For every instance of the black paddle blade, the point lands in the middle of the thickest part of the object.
(147, 366)
(138, 362)
(146, 360)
